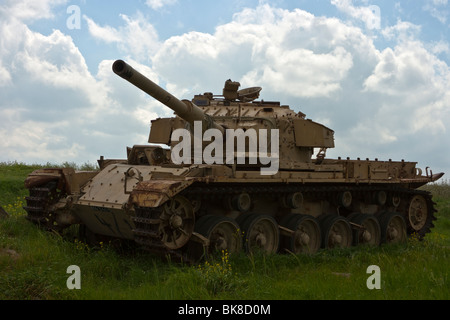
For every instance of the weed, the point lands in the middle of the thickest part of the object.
(217, 275)
(16, 208)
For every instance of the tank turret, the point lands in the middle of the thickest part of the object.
(245, 125)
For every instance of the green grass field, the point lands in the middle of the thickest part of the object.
(33, 265)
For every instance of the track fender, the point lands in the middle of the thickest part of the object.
(43, 176)
(68, 179)
(153, 193)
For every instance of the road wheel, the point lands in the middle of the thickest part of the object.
(306, 236)
(336, 232)
(260, 233)
(393, 228)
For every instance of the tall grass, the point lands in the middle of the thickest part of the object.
(33, 265)
(13, 174)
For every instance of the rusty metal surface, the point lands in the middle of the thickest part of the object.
(112, 187)
(152, 194)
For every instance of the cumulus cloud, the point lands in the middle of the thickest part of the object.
(29, 10)
(5, 76)
(437, 9)
(158, 4)
(402, 31)
(405, 69)
(48, 74)
(287, 52)
(53, 109)
(107, 34)
(370, 15)
(385, 103)
(415, 83)
(301, 72)
(137, 35)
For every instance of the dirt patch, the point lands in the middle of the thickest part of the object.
(14, 255)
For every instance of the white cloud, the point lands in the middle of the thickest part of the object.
(440, 47)
(107, 33)
(402, 31)
(438, 9)
(158, 4)
(53, 109)
(137, 36)
(29, 10)
(5, 76)
(52, 59)
(410, 84)
(407, 68)
(287, 52)
(370, 15)
(302, 73)
(34, 141)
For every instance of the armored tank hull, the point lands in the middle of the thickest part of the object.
(266, 192)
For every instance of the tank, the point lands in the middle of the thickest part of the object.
(231, 172)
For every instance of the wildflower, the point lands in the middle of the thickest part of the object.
(217, 276)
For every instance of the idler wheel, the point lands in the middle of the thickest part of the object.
(418, 212)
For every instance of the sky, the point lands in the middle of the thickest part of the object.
(376, 72)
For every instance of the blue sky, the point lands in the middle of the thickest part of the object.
(377, 72)
(174, 18)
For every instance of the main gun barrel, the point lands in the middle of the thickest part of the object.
(185, 109)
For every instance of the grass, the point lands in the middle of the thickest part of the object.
(33, 265)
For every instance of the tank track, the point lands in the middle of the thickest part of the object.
(147, 234)
(40, 204)
(147, 220)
